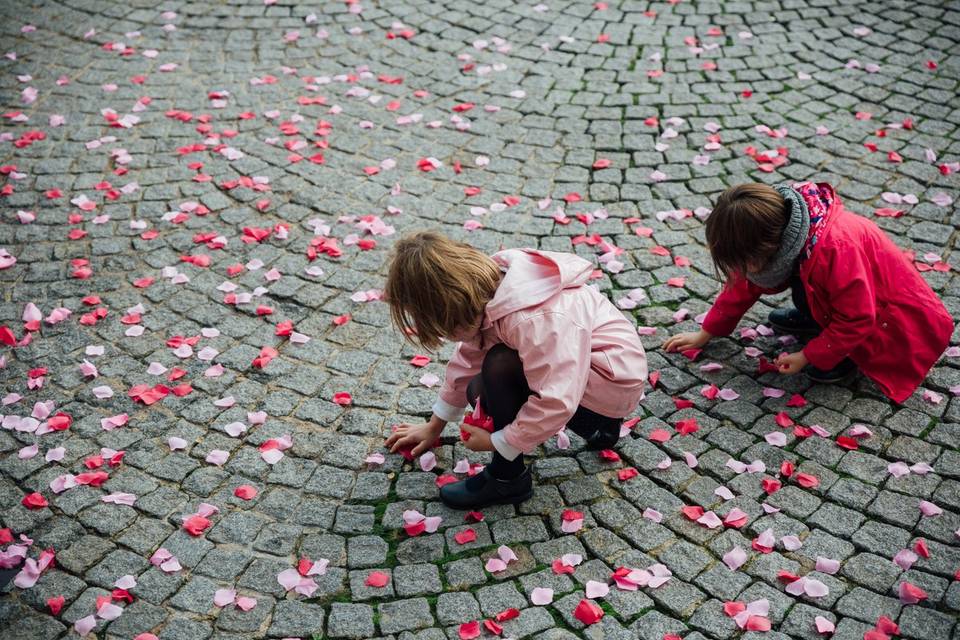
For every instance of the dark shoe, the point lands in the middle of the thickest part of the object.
(840, 373)
(793, 321)
(597, 438)
(483, 490)
(603, 439)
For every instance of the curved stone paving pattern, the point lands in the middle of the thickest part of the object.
(557, 88)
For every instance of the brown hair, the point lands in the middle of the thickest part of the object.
(745, 228)
(436, 286)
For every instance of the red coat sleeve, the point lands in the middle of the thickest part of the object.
(735, 299)
(845, 282)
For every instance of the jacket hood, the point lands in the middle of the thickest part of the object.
(532, 277)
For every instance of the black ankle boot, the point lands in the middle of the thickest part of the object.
(483, 490)
(840, 373)
(793, 321)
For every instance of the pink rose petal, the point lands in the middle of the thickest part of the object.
(823, 625)
(710, 520)
(791, 543)
(218, 457)
(723, 492)
(288, 578)
(827, 565)
(898, 469)
(84, 625)
(596, 589)
(125, 582)
(109, 611)
(728, 394)
(735, 558)
(428, 461)
(272, 456)
(652, 514)
(815, 588)
(905, 559)
(776, 439)
(541, 596)
(495, 564)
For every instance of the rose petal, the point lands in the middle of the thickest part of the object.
(735, 558)
(541, 596)
(596, 589)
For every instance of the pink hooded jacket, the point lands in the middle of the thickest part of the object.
(577, 348)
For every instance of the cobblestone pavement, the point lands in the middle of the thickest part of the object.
(183, 161)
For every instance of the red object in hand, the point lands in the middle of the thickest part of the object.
(476, 419)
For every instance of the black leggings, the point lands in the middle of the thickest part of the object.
(503, 390)
(798, 294)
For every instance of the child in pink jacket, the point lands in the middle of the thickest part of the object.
(538, 350)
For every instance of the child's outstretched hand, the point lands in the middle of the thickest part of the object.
(419, 436)
(478, 439)
(685, 341)
(789, 363)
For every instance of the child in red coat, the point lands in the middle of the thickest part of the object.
(854, 290)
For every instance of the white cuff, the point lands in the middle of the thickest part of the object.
(503, 447)
(447, 411)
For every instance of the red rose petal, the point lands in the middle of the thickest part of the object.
(377, 579)
(886, 625)
(507, 614)
(686, 427)
(34, 501)
(807, 481)
(783, 420)
(692, 512)
(758, 623)
(626, 474)
(466, 536)
(588, 612)
(770, 485)
(469, 630)
(609, 455)
(560, 568)
(846, 442)
(493, 627)
(195, 525)
(659, 435)
(56, 604)
(245, 492)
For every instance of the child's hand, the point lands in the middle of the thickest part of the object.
(418, 436)
(789, 363)
(685, 341)
(478, 440)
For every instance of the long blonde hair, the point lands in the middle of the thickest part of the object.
(436, 286)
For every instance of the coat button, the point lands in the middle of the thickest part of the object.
(884, 325)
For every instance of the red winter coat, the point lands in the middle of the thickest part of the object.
(873, 305)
